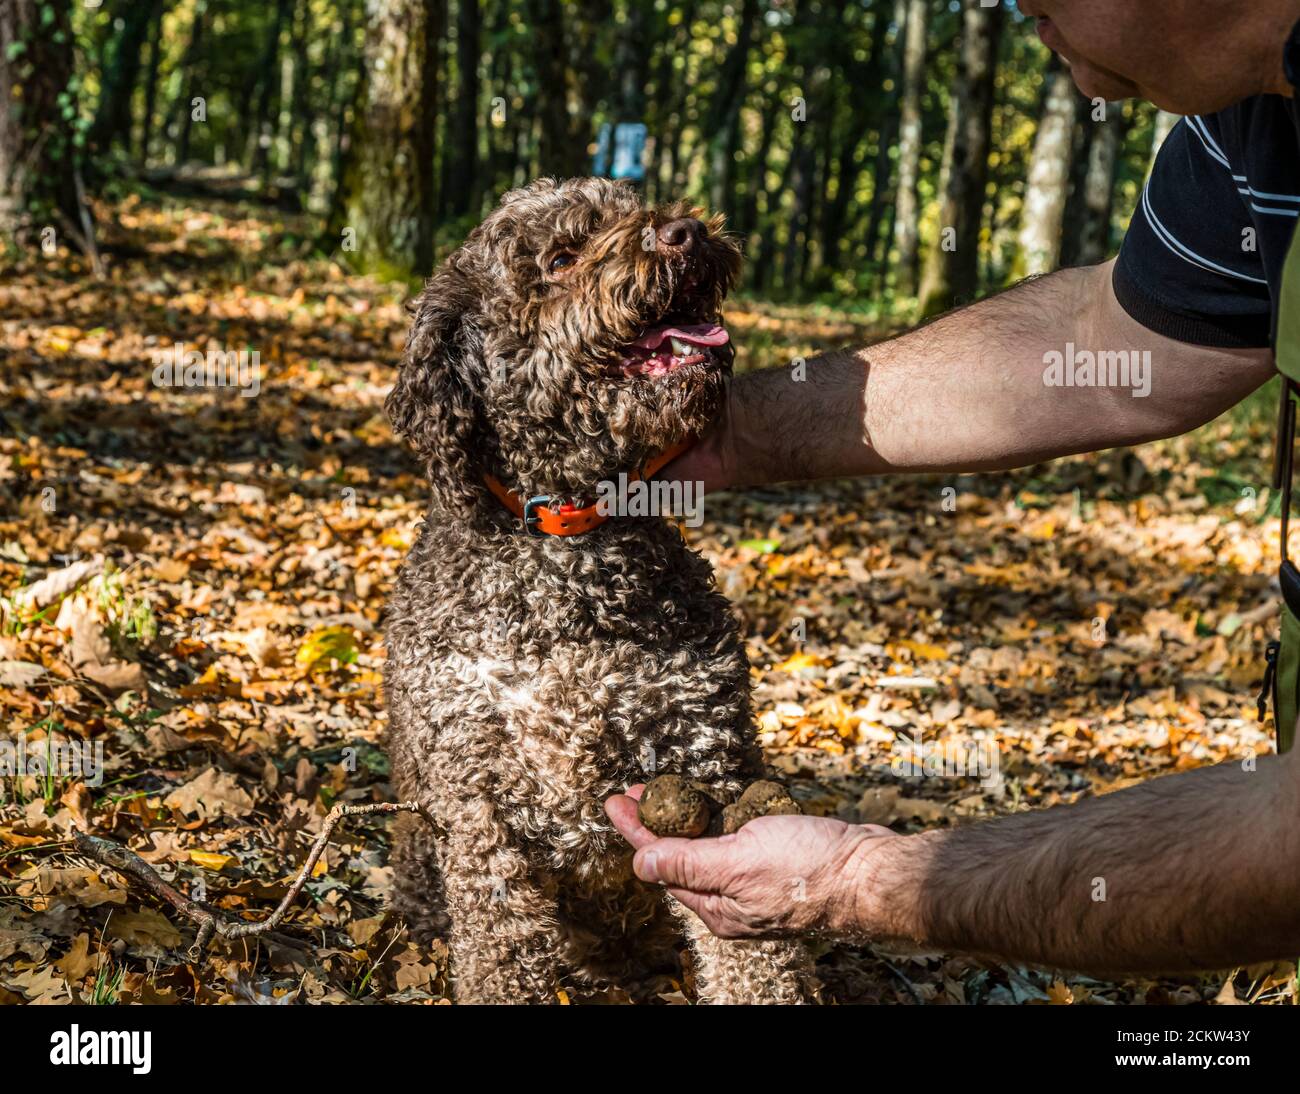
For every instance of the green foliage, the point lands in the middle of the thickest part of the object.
(717, 82)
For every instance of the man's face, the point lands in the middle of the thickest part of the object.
(1186, 56)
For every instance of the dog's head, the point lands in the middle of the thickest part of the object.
(574, 335)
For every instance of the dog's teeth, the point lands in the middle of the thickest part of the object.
(680, 348)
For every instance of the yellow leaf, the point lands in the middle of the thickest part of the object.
(1060, 995)
(328, 644)
(925, 650)
(210, 860)
(800, 661)
(1045, 529)
(21, 839)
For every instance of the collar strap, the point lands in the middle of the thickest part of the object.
(570, 520)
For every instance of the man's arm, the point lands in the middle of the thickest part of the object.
(966, 393)
(1193, 871)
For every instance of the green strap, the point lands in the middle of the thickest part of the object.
(1288, 323)
(1286, 691)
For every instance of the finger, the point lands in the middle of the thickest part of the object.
(622, 810)
(701, 865)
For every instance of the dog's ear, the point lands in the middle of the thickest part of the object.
(432, 405)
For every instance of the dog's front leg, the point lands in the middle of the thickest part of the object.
(505, 944)
(747, 972)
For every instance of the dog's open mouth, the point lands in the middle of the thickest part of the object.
(669, 346)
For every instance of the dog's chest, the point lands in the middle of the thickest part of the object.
(552, 687)
(589, 720)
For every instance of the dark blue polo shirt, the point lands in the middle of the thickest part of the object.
(1202, 261)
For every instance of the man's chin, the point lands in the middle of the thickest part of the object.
(1100, 83)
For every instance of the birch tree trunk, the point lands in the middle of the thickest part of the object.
(1048, 186)
(907, 210)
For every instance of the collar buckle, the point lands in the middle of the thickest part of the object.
(532, 522)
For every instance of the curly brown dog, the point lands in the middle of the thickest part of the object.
(540, 656)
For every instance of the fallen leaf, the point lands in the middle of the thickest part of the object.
(213, 794)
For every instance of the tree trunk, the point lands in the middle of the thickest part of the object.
(301, 137)
(387, 198)
(40, 181)
(765, 263)
(631, 63)
(907, 211)
(745, 219)
(1048, 184)
(668, 101)
(882, 193)
(189, 82)
(258, 154)
(803, 170)
(556, 153)
(592, 21)
(1091, 206)
(722, 127)
(883, 183)
(501, 132)
(462, 174)
(350, 61)
(113, 117)
(864, 80)
(952, 268)
(151, 83)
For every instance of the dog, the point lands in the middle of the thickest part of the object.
(540, 656)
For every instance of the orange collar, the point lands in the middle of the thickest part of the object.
(569, 520)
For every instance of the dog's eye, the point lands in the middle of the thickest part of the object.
(560, 260)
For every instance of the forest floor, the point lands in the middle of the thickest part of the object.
(1076, 628)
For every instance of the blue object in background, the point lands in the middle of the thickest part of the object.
(627, 154)
(629, 151)
(600, 161)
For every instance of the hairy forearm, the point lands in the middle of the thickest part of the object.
(1192, 871)
(967, 393)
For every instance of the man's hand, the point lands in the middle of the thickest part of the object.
(776, 876)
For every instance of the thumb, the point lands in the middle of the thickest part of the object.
(698, 865)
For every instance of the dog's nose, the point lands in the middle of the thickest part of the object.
(680, 236)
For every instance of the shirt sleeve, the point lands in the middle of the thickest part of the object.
(1185, 269)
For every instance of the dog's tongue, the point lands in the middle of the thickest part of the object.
(698, 334)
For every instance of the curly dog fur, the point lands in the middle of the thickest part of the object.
(529, 678)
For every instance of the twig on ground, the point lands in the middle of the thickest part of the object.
(911, 988)
(211, 920)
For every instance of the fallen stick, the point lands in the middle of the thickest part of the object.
(114, 855)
